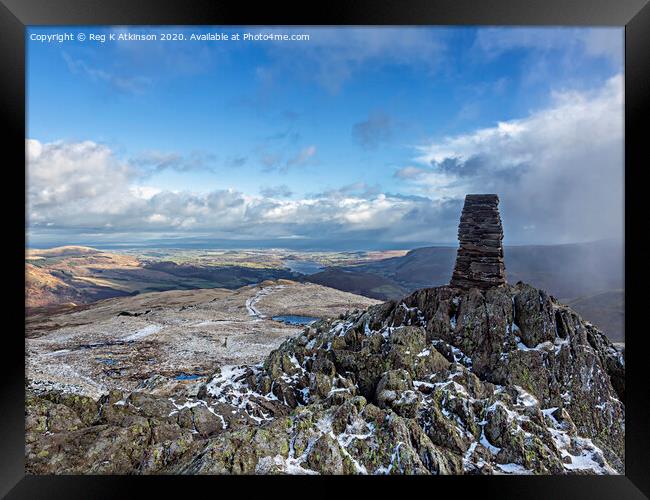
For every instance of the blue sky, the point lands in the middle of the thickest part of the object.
(364, 134)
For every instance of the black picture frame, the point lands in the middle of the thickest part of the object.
(634, 15)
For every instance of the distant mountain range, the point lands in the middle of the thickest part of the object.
(587, 276)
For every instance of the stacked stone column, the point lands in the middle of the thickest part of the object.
(479, 262)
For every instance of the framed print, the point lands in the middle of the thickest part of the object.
(378, 239)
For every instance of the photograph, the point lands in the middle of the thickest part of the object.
(324, 250)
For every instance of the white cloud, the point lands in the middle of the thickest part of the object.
(604, 42)
(144, 192)
(83, 188)
(77, 180)
(559, 170)
(332, 56)
(127, 84)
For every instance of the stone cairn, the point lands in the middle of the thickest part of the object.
(479, 262)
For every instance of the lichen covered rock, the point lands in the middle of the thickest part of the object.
(445, 381)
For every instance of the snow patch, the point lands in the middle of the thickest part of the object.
(143, 332)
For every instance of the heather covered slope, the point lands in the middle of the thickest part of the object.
(444, 381)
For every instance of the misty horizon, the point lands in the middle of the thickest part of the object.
(300, 245)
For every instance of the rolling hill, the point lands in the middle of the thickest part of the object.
(368, 284)
(82, 275)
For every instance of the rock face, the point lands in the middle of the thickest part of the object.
(479, 263)
(445, 381)
(479, 377)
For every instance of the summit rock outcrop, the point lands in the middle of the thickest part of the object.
(444, 381)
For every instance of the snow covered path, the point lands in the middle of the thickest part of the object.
(252, 301)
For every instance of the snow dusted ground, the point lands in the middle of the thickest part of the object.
(123, 343)
(299, 412)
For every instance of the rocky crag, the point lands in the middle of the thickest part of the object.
(449, 380)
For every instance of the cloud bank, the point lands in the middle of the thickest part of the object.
(84, 188)
(558, 172)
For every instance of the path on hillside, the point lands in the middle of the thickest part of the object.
(252, 301)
